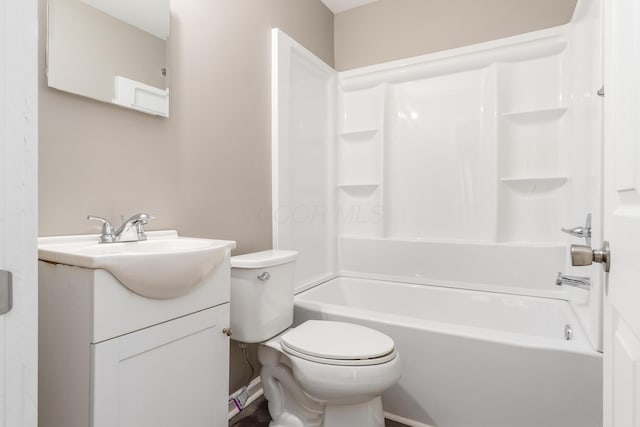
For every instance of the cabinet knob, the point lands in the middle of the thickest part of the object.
(227, 331)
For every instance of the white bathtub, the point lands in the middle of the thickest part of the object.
(472, 359)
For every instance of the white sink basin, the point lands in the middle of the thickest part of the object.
(163, 266)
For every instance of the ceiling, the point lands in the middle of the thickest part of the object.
(338, 6)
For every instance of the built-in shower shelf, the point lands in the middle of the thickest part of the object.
(358, 184)
(535, 115)
(535, 185)
(362, 188)
(358, 135)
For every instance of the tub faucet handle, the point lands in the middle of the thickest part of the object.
(581, 231)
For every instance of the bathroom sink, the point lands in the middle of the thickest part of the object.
(163, 266)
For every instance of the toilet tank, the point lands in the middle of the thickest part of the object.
(262, 287)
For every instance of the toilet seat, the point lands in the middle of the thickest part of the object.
(338, 343)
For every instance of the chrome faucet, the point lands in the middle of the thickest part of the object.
(576, 281)
(131, 230)
(582, 232)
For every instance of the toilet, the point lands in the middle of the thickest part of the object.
(320, 373)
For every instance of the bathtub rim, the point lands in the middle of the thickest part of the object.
(580, 343)
(559, 294)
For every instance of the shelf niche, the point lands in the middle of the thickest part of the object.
(358, 135)
(532, 185)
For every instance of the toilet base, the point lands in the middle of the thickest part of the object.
(290, 406)
(368, 414)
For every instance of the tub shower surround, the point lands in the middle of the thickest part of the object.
(478, 152)
(470, 161)
(457, 170)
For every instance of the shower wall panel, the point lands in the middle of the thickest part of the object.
(303, 159)
(441, 165)
(489, 147)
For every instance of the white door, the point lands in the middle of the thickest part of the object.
(18, 228)
(622, 213)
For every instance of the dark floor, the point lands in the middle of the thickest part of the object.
(257, 415)
(254, 415)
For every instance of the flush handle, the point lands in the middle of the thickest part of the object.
(264, 276)
(583, 255)
(6, 291)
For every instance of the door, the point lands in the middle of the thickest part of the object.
(18, 161)
(622, 212)
(172, 374)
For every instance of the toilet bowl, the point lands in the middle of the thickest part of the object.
(320, 373)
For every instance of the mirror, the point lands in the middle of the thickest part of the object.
(115, 51)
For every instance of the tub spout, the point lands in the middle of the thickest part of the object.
(576, 281)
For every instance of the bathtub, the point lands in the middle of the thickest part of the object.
(471, 358)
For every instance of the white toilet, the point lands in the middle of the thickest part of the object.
(320, 373)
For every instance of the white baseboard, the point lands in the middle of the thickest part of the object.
(255, 391)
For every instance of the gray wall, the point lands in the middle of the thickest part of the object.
(394, 29)
(221, 101)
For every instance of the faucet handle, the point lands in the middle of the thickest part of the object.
(577, 231)
(140, 221)
(582, 232)
(108, 234)
(144, 218)
(105, 223)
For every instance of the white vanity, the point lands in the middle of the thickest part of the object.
(112, 357)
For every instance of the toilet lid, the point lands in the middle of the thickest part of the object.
(338, 343)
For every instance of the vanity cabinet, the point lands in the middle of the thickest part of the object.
(111, 358)
(165, 375)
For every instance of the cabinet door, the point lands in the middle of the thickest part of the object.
(170, 375)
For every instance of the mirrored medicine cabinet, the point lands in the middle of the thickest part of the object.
(114, 51)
